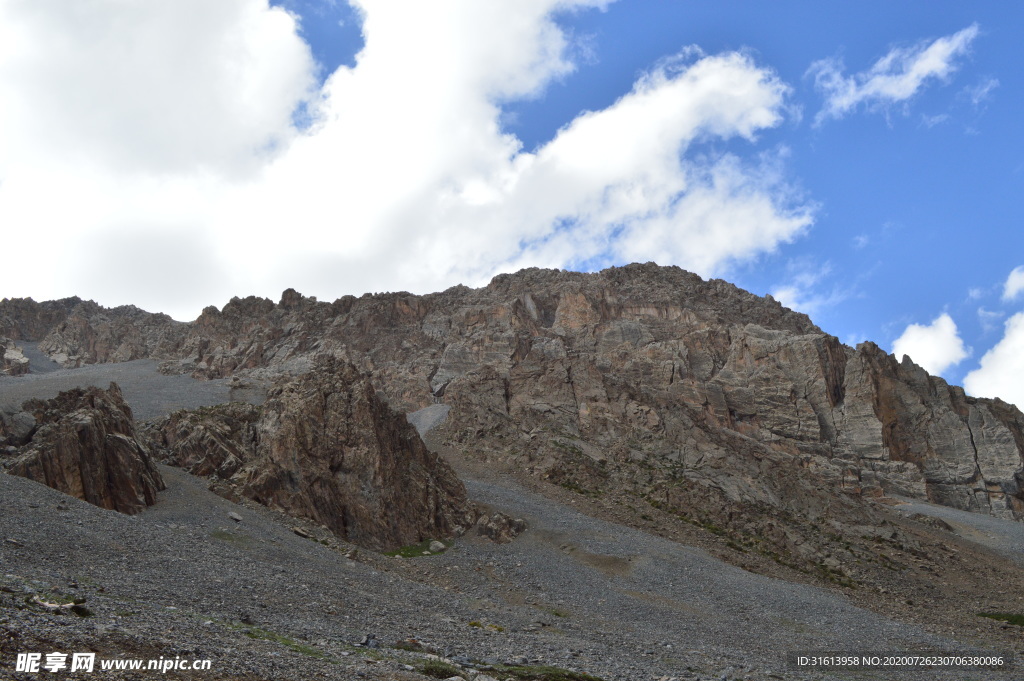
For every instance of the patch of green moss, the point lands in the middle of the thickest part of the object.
(242, 540)
(573, 487)
(416, 550)
(264, 635)
(1009, 618)
(481, 625)
(439, 670)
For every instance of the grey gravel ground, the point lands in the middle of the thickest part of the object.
(261, 602)
(150, 393)
(1005, 537)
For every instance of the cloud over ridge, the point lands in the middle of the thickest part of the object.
(1001, 367)
(404, 178)
(934, 347)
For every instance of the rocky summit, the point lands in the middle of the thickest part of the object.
(578, 409)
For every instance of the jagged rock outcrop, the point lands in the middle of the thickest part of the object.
(25, 319)
(83, 443)
(925, 438)
(90, 334)
(692, 393)
(12, 361)
(324, 446)
(211, 441)
(16, 428)
(253, 333)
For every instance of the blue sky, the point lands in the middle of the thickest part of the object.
(859, 161)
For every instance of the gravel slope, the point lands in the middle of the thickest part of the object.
(150, 393)
(1005, 537)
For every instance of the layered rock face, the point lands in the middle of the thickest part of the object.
(324, 446)
(83, 443)
(92, 334)
(75, 332)
(12, 361)
(25, 319)
(692, 393)
(212, 442)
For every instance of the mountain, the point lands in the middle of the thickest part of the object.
(590, 378)
(642, 395)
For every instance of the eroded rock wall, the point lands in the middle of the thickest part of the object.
(325, 446)
(640, 376)
(83, 442)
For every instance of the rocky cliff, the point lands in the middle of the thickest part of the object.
(75, 332)
(324, 446)
(692, 393)
(83, 443)
(25, 319)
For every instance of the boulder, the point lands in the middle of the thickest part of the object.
(12, 361)
(499, 527)
(16, 428)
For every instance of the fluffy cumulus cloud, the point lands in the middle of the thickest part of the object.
(1014, 285)
(893, 79)
(150, 88)
(934, 347)
(148, 153)
(1001, 371)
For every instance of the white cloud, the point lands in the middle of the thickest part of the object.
(988, 318)
(980, 92)
(894, 78)
(932, 121)
(169, 140)
(804, 290)
(1001, 372)
(1014, 284)
(156, 87)
(934, 347)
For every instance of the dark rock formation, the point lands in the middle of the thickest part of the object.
(90, 333)
(211, 441)
(25, 319)
(324, 446)
(84, 444)
(693, 393)
(12, 361)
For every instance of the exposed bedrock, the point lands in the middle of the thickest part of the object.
(83, 443)
(641, 377)
(324, 446)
